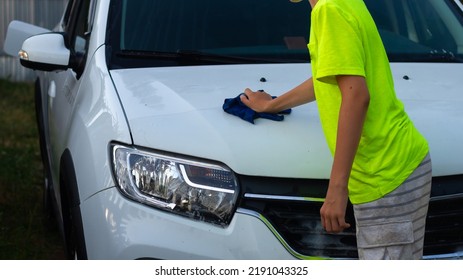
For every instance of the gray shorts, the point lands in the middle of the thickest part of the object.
(393, 227)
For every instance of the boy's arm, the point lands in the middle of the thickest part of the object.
(354, 106)
(263, 102)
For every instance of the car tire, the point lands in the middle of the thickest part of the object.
(70, 207)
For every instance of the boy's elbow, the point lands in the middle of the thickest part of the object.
(366, 98)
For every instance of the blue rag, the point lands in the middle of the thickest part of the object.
(235, 107)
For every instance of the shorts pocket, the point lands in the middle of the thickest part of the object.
(385, 234)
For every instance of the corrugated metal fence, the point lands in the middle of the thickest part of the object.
(44, 13)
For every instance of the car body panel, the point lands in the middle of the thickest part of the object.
(157, 102)
(96, 119)
(434, 104)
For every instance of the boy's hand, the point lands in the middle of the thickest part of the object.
(333, 211)
(256, 100)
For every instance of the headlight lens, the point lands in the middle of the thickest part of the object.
(196, 189)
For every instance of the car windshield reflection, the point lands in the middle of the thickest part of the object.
(269, 31)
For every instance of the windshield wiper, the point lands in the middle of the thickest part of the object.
(432, 56)
(441, 56)
(191, 56)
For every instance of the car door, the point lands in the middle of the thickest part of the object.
(63, 86)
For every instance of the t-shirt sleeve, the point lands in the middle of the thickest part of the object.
(340, 48)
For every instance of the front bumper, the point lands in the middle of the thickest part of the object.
(117, 228)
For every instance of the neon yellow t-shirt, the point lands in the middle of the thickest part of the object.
(344, 40)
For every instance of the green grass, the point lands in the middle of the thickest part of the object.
(25, 232)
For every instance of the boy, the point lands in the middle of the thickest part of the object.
(381, 161)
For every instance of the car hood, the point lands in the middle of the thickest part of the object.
(179, 109)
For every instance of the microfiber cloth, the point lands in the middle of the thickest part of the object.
(235, 107)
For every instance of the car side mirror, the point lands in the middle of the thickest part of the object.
(45, 52)
(17, 32)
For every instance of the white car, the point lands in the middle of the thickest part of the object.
(142, 161)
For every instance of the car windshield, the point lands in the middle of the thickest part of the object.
(147, 33)
(419, 30)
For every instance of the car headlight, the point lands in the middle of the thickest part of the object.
(196, 189)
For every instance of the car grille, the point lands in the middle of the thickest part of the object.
(291, 208)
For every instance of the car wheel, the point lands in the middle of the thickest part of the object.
(47, 200)
(72, 218)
